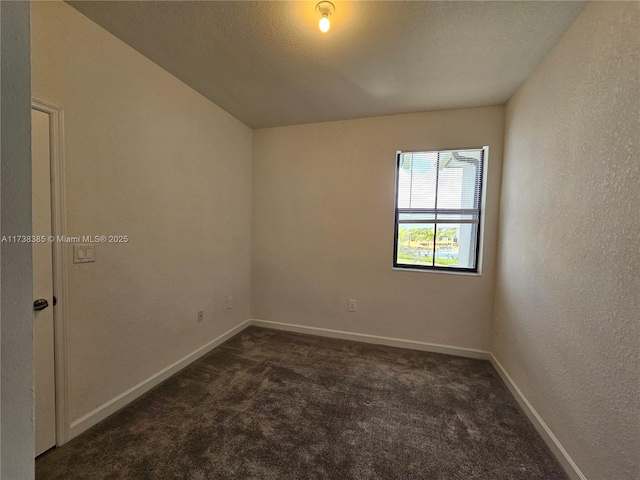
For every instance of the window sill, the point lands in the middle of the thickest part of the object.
(440, 272)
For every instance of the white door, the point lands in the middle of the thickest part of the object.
(45, 402)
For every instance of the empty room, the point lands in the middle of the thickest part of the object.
(391, 240)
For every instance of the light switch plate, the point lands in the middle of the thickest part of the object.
(84, 253)
(353, 305)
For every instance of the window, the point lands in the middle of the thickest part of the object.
(438, 208)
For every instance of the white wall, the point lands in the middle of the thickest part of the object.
(147, 157)
(323, 209)
(16, 319)
(568, 287)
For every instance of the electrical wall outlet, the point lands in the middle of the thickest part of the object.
(200, 315)
(229, 302)
(353, 305)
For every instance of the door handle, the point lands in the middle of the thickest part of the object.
(40, 304)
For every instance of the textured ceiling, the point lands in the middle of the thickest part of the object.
(267, 63)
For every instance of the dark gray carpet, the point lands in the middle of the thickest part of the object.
(275, 405)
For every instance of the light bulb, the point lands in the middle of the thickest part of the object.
(324, 24)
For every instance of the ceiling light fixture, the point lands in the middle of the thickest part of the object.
(325, 8)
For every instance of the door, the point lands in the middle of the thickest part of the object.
(44, 370)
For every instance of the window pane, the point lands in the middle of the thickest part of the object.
(423, 180)
(415, 244)
(404, 180)
(456, 245)
(459, 180)
(417, 174)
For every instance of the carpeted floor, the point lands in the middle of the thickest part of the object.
(274, 405)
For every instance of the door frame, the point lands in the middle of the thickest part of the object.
(60, 256)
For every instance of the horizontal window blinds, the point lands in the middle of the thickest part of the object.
(442, 187)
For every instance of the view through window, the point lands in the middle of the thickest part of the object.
(438, 207)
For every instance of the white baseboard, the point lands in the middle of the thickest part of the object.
(543, 429)
(103, 411)
(366, 338)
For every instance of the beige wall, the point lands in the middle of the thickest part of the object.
(568, 287)
(147, 157)
(16, 327)
(323, 200)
